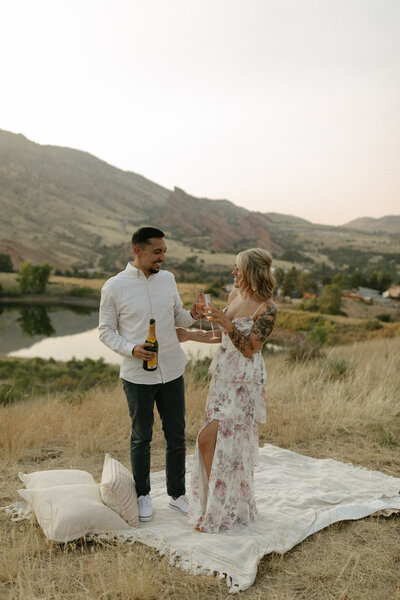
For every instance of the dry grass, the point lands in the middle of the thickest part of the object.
(345, 406)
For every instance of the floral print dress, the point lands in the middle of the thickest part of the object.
(236, 398)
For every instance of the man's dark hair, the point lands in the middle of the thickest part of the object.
(142, 236)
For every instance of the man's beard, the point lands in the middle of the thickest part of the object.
(154, 271)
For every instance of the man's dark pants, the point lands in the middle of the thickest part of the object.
(170, 401)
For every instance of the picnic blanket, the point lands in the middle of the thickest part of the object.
(296, 496)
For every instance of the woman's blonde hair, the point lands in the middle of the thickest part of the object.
(257, 279)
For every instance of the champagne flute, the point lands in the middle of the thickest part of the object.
(200, 300)
(208, 306)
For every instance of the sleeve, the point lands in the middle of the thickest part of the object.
(183, 318)
(108, 325)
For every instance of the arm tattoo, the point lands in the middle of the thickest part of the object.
(264, 325)
(242, 342)
(260, 331)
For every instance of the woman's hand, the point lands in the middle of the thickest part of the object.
(219, 316)
(185, 335)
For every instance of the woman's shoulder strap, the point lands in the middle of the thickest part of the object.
(262, 304)
(267, 302)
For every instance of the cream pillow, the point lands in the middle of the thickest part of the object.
(69, 512)
(43, 479)
(118, 490)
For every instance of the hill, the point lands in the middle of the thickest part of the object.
(215, 224)
(70, 205)
(389, 224)
(65, 202)
(73, 209)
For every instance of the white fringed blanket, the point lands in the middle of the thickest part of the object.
(296, 496)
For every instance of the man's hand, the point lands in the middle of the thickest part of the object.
(140, 351)
(195, 313)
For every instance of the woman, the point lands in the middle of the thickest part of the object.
(222, 483)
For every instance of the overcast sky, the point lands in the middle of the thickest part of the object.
(290, 106)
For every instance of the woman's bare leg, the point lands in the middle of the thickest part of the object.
(206, 441)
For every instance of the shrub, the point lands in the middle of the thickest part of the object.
(385, 317)
(9, 394)
(197, 370)
(385, 438)
(303, 353)
(373, 324)
(36, 377)
(309, 305)
(81, 290)
(298, 321)
(318, 335)
(336, 368)
(6, 265)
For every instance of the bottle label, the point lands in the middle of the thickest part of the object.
(152, 364)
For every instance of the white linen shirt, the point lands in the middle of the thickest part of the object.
(128, 301)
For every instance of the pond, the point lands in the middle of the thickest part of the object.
(63, 333)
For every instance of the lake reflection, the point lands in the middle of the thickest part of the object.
(35, 320)
(61, 333)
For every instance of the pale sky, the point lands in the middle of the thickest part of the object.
(290, 106)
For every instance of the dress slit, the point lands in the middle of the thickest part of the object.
(227, 498)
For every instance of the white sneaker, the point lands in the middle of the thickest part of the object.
(180, 503)
(144, 506)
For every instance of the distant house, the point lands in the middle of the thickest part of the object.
(372, 296)
(392, 293)
(367, 295)
(357, 296)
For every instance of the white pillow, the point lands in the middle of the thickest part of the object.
(118, 490)
(69, 512)
(43, 479)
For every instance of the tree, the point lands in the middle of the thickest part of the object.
(290, 281)
(331, 299)
(342, 280)
(357, 278)
(41, 274)
(307, 283)
(24, 277)
(33, 278)
(6, 265)
(279, 275)
(380, 280)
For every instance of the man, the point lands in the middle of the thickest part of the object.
(128, 301)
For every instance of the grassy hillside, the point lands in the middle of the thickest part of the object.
(345, 406)
(67, 202)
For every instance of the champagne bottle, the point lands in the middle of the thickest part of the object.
(151, 365)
